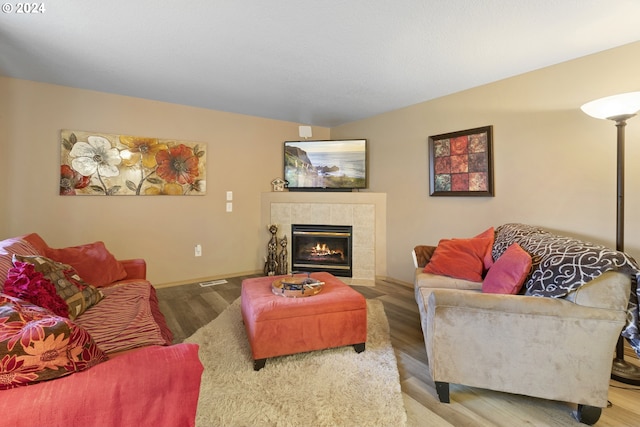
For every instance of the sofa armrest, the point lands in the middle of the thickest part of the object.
(152, 386)
(611, 290)
(135, 268)
(422, 254)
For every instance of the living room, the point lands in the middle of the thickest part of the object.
(554, 167)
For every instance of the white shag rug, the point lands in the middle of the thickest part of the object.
(334, 387)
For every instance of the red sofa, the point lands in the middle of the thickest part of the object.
(142, 381)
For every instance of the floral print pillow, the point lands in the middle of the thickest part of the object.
(78, 294)
(36, 345)
(24, 282)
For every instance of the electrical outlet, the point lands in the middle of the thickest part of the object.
(229, 207)
(229, 196)
(198, 250)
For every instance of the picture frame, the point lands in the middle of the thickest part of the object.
(104, 164)
(461, 163)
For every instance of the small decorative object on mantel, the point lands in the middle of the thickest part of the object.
(105, 164)
(278, 184)
(461, 163)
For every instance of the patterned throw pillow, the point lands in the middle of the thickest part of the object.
(78, 294)
(24, 282)
(36, 345)
(8, 247)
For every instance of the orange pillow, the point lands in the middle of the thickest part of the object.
(508, 273)
(459, 258)
(489, 233)
(93, 263)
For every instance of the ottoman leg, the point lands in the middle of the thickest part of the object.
(359, 348)
(259, 364)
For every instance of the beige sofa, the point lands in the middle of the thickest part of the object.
(553, 348)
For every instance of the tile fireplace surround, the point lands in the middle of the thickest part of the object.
(365, 212)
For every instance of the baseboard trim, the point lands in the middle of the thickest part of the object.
(260, 272)
(206, 279)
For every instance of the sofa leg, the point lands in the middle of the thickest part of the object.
(259, 364)
(359, 348)
(587, 414)
(443, 391)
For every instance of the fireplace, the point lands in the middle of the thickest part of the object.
(321, 248)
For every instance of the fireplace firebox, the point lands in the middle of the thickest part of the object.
(321, 248)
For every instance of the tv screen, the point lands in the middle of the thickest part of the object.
(326, 165)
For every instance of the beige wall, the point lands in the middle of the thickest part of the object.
(554, 165)
(244, 156)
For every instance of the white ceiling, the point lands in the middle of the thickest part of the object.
(317, 62)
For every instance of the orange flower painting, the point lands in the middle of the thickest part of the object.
(109, 165)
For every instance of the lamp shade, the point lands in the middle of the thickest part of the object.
(610, 107)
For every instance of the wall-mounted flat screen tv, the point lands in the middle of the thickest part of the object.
(330, 165)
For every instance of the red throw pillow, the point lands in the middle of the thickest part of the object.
(489, 233)
(508, 273)
(93, 262)
(459, 258)
(24, 282)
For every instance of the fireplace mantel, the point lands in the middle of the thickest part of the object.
(366, 212)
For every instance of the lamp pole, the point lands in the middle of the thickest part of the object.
(622, 370)
(619, 108)
(621, 122)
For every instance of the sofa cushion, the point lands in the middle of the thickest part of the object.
(508, 273)
(78, 294)
(427, 280)
(126, 318)
(36, 345)
(93, 262)
(460, 258)
(24, 282)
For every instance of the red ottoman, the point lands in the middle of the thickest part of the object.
(278, 325)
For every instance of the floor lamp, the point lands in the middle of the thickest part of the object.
(618, 108)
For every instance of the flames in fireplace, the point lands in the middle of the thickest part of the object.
(322, 248)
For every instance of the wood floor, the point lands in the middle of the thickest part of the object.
(189, 307)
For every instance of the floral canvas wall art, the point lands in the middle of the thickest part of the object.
(106, 164)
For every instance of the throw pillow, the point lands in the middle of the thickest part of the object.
(78, 294)
(508, 273)
(459, 258)
(93, 262)
(37, 345)
(8, 247)
(489, 233)
(24, 282)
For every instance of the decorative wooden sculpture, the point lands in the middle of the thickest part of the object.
(283, 264)
(271, 264)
